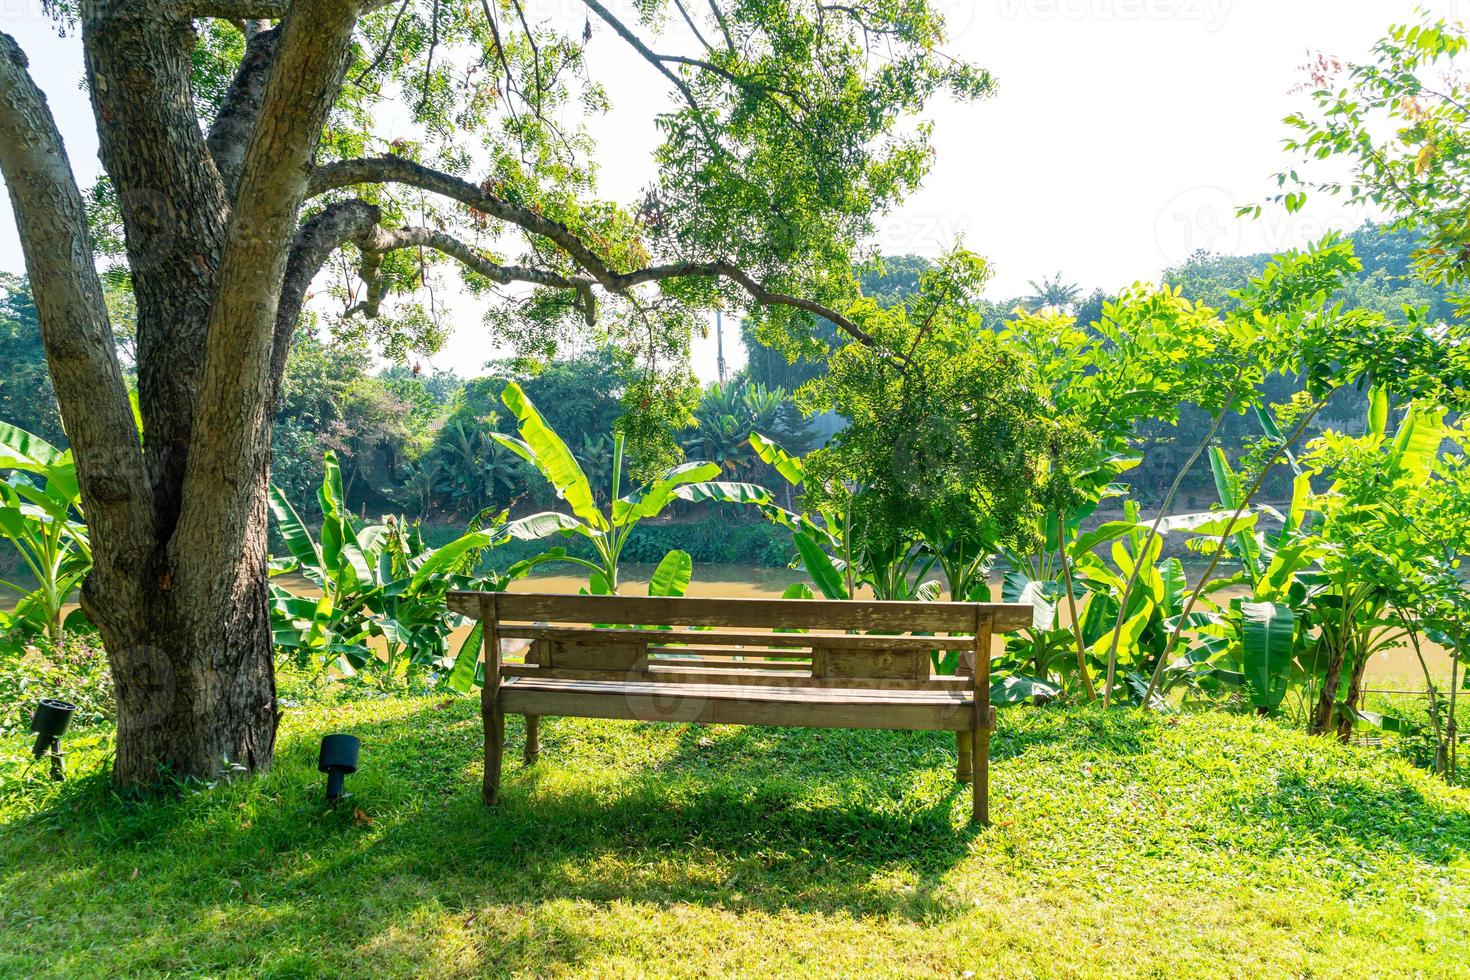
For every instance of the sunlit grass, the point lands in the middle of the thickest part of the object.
(1210, 846)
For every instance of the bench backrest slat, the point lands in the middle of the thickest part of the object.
(840, 644)
(812, 614)
(726, 637)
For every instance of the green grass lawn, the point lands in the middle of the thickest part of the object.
(1214, 846)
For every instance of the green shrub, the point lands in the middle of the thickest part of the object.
(76, 671)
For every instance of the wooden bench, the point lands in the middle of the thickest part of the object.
(730, 661)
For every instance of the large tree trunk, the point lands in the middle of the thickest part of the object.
(178, 588)
(193, 670)
(195, 681)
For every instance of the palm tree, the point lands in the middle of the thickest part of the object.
(460, 454)
(596, 456)
(476, 465)
(421, 481)
(500, 466)
(722, 428)
(1054, 293)
(728, 415)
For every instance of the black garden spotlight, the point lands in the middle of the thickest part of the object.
(338, 760)
(49, 723)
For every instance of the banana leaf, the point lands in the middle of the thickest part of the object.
(672, 576)
(820, 567)
(540, 446)
(1267, 637)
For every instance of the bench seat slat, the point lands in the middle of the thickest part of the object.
(744, 657)
(805, 707)
(697, 672)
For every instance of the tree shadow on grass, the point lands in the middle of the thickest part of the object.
(739, 820)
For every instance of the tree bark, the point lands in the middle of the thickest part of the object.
(179, 585)
(229, 134)
(1354, 696)
(1321, 720)
(192, 665)
(174, 210)
(178, 711)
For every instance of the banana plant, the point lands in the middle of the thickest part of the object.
(606, 528)
(1048, 580)
(1268, 630)
(380, 585)
(1363, 527)
(838, 558)
(1316, 606)
(41, 516)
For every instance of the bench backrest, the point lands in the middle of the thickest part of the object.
(824, 642)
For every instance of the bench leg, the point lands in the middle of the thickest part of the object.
(533, 738)
(980, 789)
(494, 750)
(965, 744)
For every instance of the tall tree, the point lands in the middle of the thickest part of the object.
(1401, 122)
(242, 147)
(1053, 292)
(26, 399)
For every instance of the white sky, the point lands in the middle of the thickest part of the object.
(1123, 135)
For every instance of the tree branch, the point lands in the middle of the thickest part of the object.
(724, 25)
(244, 10)
(648, 54)
(693, 27)
(229, 134)
(380, 241)
(392, 169)
(382, 54)
(52, 222)
(239, 10)
(319, 236)
(358, 222)
(223, 480)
